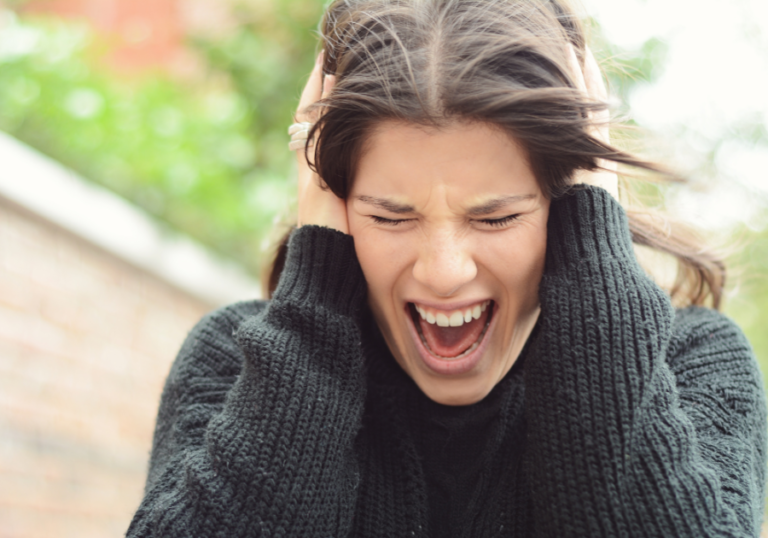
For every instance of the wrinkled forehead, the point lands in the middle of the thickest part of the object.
(471, 161)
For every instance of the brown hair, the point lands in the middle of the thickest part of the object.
(501, 62)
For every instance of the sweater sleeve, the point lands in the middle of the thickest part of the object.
(633, 432)
(257, 420)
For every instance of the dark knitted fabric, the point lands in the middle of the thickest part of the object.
(626, 418)
(456, 445)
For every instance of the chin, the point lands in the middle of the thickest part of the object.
(455, 392)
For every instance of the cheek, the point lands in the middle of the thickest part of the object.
(378, 274)
(383, 266)
(381, 260)
(518, 262)
(367, 251)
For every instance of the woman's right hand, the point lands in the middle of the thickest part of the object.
(590, 81)
(317, 203)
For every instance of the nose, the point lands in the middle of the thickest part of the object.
(445, 263)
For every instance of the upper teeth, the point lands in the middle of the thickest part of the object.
(457, 318)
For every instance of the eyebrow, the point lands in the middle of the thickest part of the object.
(494, 204)
(387, 205)
(485, 208)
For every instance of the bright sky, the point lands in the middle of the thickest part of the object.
(715, 80)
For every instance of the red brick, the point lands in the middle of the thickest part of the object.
(85, 344)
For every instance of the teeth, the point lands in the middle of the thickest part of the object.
(456, 318)
(471, 348)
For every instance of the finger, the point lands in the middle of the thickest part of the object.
(328, 83)
(590, 81)
(597, 90)
(576, 72)
(312, 91)
(593, 77)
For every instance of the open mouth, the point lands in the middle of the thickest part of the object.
(452, 335)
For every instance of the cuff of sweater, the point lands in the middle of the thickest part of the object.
(587, 224)
(321, 269)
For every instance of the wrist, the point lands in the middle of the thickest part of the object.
(587, 224)
(322, 270)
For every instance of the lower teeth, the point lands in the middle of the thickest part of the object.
(464, 353)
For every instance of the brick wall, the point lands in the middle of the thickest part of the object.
(85, 343)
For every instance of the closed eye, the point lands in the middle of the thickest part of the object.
(500, 222)
(387, 222)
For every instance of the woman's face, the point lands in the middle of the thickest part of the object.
(450, 227)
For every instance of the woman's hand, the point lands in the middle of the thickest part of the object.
(590, 81)
(317, 204)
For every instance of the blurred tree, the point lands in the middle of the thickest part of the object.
(206, 155)
(748, 303)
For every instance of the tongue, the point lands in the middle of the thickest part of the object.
(453, 341)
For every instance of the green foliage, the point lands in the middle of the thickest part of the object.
(627, 69)
(208, 156)
(749, 296)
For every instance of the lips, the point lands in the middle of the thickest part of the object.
(451, 341)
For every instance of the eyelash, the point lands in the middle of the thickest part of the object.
(496, 223)
(388, 222)
(503, 221)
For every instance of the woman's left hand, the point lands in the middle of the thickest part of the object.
(590, 81)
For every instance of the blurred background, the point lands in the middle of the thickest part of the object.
(144, 174)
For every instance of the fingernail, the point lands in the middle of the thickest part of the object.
(319, 59)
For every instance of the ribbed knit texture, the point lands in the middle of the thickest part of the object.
(291, 418)
(615, 449)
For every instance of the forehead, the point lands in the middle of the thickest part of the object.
(473, 160)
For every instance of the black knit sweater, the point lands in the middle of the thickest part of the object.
(626, 418)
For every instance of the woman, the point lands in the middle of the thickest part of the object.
(460, 341)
